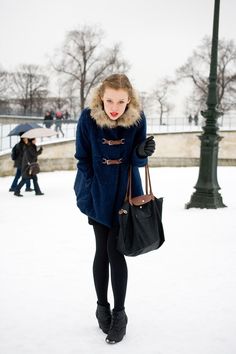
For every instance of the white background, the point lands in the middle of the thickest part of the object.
(156, 36)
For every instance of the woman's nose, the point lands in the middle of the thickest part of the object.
(114, 107)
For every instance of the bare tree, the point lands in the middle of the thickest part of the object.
(4, 91)
(161, 98)
(197, 70)
(146, 102)
(29, 86)
(85, 62)
(72, 101)
(59, 101)
(4, 84)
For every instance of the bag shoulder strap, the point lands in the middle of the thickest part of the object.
(148, 185)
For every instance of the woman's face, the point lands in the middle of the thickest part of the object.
(115, 102)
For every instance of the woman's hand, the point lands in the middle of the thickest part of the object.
(147, 147)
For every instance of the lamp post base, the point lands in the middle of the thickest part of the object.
(208, 200)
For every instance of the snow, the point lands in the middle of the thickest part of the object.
(180, 298)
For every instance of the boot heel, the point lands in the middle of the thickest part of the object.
(103, 315)
(117, 330)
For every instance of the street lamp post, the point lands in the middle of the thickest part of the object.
(207, 188)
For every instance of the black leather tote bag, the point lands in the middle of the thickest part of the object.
(141, 228)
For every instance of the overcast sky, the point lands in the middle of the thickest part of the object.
(156, 36)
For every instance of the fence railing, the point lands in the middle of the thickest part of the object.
(68, 130)
(170, 125)
(182, 124)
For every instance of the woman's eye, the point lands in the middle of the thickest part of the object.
(121, 102)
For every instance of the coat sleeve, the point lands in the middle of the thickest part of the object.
(83, 145)
(84, 176)
(140, 136)
(39, 151)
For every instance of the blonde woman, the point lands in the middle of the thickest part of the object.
(111, 136)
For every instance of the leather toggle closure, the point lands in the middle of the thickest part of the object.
(111, 162)
(113, 142)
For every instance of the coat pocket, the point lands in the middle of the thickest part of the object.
(82, 188)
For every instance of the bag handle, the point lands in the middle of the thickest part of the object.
(148, 181)
(148, 186)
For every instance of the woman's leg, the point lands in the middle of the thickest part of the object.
(61, 131)
(119, 271)
(101, 263)
(27, 184)
(36, 185)
(19, 186)
(17, 177)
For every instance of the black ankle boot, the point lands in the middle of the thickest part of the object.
(39, 193)
(29, 189)
(117, 330)
(103, 314)
(17, 193)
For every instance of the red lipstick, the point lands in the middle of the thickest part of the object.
(114, 114)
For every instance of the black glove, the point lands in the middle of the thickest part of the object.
(147, 147)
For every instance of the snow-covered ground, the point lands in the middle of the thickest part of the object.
(180, 298)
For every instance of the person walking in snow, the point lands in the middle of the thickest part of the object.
(58, 123)
(30, 155)
(48, 120)
(196, 119)
(111, 136)
(17, 155)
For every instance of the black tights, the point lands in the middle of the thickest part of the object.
(106, 253)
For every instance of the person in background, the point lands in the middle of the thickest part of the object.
(52, 113)
(190, 119)
(66, 115)
(48, 119)
(30, 154)
(111, 136)
(17, 155)
(58, 123)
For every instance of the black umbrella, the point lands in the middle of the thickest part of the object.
(22, 128)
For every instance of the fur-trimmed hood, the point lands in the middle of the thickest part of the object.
(130, 117)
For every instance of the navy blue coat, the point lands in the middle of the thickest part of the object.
(100, 188)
